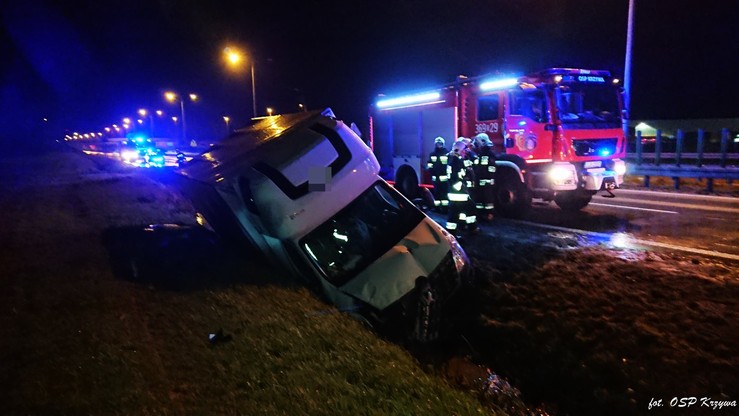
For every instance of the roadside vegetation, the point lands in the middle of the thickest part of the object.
(79, 337)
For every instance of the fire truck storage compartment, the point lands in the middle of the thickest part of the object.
(406, 136)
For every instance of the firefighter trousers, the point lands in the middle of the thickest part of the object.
(461, 214)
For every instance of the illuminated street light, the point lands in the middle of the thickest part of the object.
(160, 113)
(143, 113)
(227, 119)
(234, 57)
(172, 97)
(126, 120)
(269, 111)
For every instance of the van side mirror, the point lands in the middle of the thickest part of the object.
(356, 130)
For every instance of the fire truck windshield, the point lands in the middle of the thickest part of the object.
(583, 103)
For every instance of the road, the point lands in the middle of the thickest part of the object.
(699, 224)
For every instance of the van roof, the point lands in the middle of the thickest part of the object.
(237, 152)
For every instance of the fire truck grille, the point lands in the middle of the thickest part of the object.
(595, 147)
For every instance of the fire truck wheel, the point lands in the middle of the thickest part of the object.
(512, 199)
(572, 200)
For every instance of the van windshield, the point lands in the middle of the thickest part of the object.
(366, 229)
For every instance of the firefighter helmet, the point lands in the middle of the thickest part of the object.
(439, 141)
(459, 145)
(482, 139)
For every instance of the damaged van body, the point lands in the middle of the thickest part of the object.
(305, 191)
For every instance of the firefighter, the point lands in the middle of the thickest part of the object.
(436, 166)
(461, 212)
(471, 160)
(484, 176)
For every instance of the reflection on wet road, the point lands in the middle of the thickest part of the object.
(701, 224)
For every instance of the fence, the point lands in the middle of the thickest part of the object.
(680, 164)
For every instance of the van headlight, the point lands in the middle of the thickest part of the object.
(129, 155)
(458, 254)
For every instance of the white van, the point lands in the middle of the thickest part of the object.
(305, 190)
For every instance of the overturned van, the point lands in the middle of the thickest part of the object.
(305, 191)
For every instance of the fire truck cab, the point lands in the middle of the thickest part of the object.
(557, 133)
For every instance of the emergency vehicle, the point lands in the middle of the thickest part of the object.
(558, 134)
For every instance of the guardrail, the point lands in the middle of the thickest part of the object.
(673, 164)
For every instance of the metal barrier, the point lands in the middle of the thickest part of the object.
(673, 164)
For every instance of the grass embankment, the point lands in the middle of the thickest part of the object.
(75, 338)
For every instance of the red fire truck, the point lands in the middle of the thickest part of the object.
(557, 133)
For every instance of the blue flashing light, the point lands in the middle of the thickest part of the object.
(522, 123)
(407, 100)
(498, 83)
(605, 152)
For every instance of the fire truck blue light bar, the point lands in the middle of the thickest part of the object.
(408, 100)
(498, 83)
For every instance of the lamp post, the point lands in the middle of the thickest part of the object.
(172, 97)
(143, 113)
(234, 57)
(627, 69)
(227, 119)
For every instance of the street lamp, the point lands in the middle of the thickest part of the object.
(227, 119)
(269, 111)
(143, 113)
(234, 57)
(172, 97)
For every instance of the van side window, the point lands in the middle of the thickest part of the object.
(487, 108)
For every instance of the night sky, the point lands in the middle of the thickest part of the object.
(87, 64)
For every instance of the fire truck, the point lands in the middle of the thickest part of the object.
(557, 134)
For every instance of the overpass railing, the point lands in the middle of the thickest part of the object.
(680, 164)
